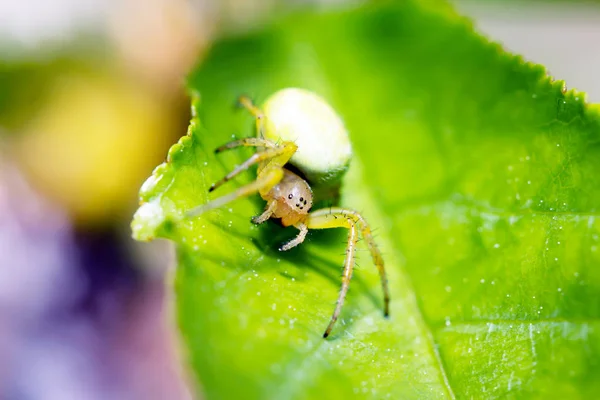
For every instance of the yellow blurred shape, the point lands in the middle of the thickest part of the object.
(94, 142)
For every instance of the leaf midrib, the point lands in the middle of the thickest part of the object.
(377, 214)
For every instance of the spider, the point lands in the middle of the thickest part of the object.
(289, 197)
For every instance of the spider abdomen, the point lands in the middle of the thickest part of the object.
(303, 117)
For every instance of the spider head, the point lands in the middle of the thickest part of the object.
(298, 196)
(294, 198)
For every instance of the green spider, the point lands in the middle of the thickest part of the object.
(301, 129)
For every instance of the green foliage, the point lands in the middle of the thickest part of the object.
(481, 175)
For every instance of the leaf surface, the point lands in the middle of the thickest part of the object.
(481, 176)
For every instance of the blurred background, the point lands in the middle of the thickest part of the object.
(92, 94)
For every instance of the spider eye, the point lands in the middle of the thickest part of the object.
(304, 202)
(297, 205)
(301, 199)
(290, 196)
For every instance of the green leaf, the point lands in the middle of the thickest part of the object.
(482, 176)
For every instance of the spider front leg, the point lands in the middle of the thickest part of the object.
(336, 217)
(279, 154)
(298, 239)
(348, 268)
(271, 206)
(268, 178)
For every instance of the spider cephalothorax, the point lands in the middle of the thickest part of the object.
(304, 119)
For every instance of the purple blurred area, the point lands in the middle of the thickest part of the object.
(86, 113)
(78, 320)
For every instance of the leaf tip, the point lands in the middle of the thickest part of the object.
(146, 221)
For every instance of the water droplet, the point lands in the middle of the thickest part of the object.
(482, 280)
(496, 245)
(560, 289)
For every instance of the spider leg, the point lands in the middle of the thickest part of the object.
(246, 142)
(282, 153)
(348, 263)
(336, 217)
(247, 103)
(298, 239)
(268, 178)
(271, 206)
